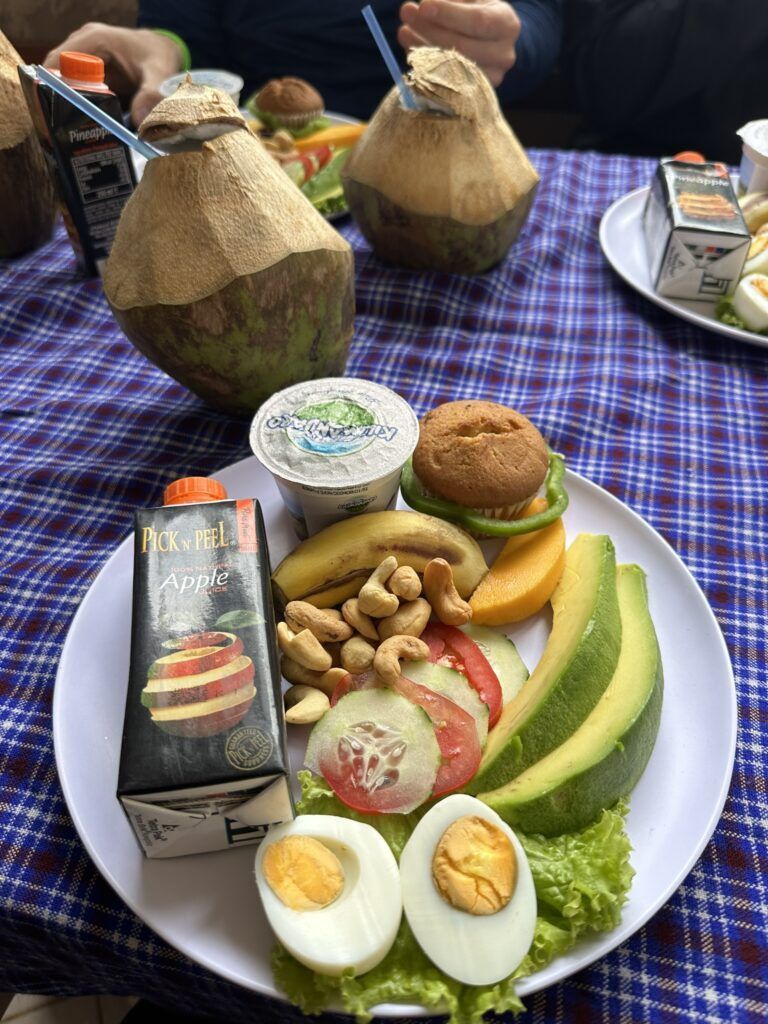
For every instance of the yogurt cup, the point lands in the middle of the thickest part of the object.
(335, 447)
(215, 77)
(753, 170)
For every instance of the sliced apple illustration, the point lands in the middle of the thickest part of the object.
(208, 717)
(197, 652)
(204, 687)
(191, 689)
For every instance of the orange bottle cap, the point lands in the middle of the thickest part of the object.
(192, 489)
(82, 67)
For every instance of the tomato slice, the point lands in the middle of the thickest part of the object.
(377, 750)
(449, 646)
(456, 734)
(348, 683)
(455, 728)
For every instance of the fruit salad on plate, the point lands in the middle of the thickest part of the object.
(442, 777)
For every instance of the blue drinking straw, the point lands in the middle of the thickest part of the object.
(114, 127)
(389, 58)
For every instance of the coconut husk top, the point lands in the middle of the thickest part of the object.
(190, 106)
(459, 159)
(198, 220)
(15, 122)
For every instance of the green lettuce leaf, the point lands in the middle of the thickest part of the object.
(318, 798)
(324, 189)
(582, 881)
(273, 123)
(726, 314)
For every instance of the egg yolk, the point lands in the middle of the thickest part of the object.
(474, 866)
(302, 872)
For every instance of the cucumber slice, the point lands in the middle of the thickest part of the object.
(503, 657)
(377, 751)
(454, 686)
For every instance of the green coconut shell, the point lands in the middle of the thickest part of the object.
(422, 242)
(27, 198)
(446, 187)
(225, 276)
(260, 333)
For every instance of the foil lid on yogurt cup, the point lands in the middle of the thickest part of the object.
(334, 432)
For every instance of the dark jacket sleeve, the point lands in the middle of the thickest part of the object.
(199, 25)
(195, 21)
(537, 48)
(629, 60)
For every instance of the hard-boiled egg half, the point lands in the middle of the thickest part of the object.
(757, 257)
(468, 893)
(750, 301)
(331, 892)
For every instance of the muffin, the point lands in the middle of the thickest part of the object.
(481, 455)
(291, 102)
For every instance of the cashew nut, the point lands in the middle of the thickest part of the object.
(323, 623)
(405, 583)
(304, 648)
(442, 594)
(374, 599)
(357, 655)
(305, 704)
(363, 623)
(410, 619)
(386, 662)
(330, 680)
(296, 673)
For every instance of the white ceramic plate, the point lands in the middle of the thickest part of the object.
(207, 906)
(622, 242)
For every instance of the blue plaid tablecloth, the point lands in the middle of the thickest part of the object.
(670, 418)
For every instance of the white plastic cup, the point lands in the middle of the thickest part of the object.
(217, 78)
(753, 170)
(335, 448)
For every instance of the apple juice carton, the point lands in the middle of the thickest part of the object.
(92, 169)
(204, 763)
(695, 236)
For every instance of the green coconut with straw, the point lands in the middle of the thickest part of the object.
(444, 185)
(222, 272)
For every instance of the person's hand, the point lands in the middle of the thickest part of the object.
(136, 60)
(486, 31)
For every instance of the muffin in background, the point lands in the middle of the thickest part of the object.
(482, 455)
(288, 102)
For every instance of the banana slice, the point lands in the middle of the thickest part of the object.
(754, 207)
(750, 301)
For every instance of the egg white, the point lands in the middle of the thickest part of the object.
(473, 949)
(356, 930)
(750, 301)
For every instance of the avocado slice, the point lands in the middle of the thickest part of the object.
(575, 668)
(603, 760)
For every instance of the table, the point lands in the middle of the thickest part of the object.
(670, 418)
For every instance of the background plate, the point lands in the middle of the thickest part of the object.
(207, 906)
(623, 243)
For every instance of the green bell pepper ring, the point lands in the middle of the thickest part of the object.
(557, 503)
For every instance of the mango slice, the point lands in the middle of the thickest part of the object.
(524, 576)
